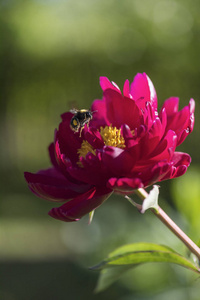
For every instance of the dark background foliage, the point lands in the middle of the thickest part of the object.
(51, 56)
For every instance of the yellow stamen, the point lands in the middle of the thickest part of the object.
(111, 137)
(83, 151)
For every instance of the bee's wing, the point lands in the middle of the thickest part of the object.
(73, 110)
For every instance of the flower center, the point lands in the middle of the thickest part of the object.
(83, 151)
(111, 137)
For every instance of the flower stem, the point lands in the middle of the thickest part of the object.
(159, 213)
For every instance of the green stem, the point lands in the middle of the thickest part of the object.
(159, 213)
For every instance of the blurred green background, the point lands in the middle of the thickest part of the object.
(52, 53)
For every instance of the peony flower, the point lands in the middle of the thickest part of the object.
(127, 145)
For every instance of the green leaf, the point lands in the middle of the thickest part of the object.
(129, 256)
(185, 192)
(109, 276)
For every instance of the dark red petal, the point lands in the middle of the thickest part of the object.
(68, 141)
(156, 173)
(62, 160)
(179, 171)
(122, 110)
(117, 160)
(143, 91)
(166, 147)
(152, 138)
(51, 185)
(124, 184)
(52, 155)
(93, 172)
(93, 136)
(81, 205)
(128, 136)
(49, 176)
(65, 116)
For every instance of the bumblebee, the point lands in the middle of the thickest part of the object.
(80, 118)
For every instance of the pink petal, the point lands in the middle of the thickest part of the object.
(126, 90)
(122, 110)
(106, 84)
(171, 105)
(163, 118)
(192, 106)
(99, 118)
(143, 91)
(182, 122)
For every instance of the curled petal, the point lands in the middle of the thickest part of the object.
(53, 155)
(150, 141)
(99, 118)
(171, 105)
(122, 110)
(182, 122)
(106, 84)
(192, 106)
(179, 171)
(153, 173)
(124, 185)
(182, 136)
(62, 161)
(159, 171)
(93, 172)
(126, 90)
(128, 136)
(180, 158)
(143, 91)
(163, 118)
(175, 172)
(81, 205)
(53, 186)
(166, 147)
(94, 138)
(67, 140)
